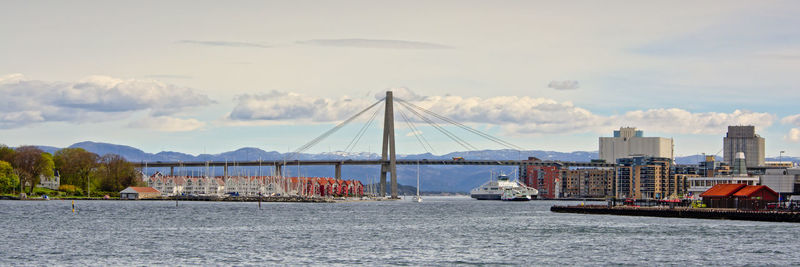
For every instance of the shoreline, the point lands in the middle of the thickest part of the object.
(287, 199)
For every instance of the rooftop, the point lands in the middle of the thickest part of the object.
(722, 190)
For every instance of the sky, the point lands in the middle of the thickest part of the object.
(213, 76)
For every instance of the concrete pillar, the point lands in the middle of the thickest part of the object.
(388, 150)
(338, 171)
(171, 170)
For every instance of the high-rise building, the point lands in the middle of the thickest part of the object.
(628, 141)
(744, 139)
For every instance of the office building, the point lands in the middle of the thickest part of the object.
(744, 139)
(628, 141)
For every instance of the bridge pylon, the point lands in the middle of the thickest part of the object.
(388, 148)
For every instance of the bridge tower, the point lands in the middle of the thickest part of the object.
(388, 147)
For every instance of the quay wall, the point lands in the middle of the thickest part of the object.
(696, 213)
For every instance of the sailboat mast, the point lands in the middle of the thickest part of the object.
(417, 178)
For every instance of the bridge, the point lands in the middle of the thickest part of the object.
(280, 164)
(388, 160)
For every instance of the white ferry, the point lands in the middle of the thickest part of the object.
(494, 189)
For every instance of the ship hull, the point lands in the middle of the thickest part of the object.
(486, 196)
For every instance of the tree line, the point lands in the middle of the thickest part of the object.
(80, 171)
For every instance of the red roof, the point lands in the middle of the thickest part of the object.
(722, 190)
(750, 190)
(145, 189)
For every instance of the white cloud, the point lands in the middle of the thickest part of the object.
(793, 119)
(167, 124)
(95, 98)
(564, 85)
(674, 120)
(793, 136)
(517, 115)
(276, 106)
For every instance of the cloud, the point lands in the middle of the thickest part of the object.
(793, 136)
(167, 124)
(793, 119)
(674, 120)
(95, 98)
(223, 43)
(564, 85)
(374, 43)
(515, 115)
(276, 106)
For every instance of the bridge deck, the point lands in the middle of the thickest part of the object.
(369, 162)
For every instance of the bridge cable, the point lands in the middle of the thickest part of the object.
(441, 129)
(465, 127)
(417, 133)
(361, 132)
(331, 131)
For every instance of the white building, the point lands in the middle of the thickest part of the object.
(50, 182)
(628, 141)
(783, 181)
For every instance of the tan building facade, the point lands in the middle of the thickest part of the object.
(628, 141)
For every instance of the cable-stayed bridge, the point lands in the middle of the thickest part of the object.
(388, 160)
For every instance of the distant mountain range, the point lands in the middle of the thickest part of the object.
(434, 178)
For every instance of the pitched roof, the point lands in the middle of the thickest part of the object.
(750, 190)
(722, 190)
(140, 190)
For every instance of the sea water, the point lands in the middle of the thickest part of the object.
(439, 231)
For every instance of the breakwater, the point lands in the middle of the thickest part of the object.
(696, 213)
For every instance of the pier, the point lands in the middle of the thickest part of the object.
(695, 213)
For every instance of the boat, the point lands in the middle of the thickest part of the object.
(515, 195)
(494, 189)
(417, 198)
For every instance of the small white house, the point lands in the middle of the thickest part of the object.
(50, 182)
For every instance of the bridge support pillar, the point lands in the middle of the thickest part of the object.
(338, 170)
(172, 171)
(279, 170)
(388, 147)
(225, 171)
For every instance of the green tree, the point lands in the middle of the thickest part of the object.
(74, 165)
(115, 173)
(6, 153)
(30, 162)
(8, 180)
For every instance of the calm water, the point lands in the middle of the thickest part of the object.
(440, 231)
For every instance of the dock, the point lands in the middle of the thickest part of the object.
(684, 212)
